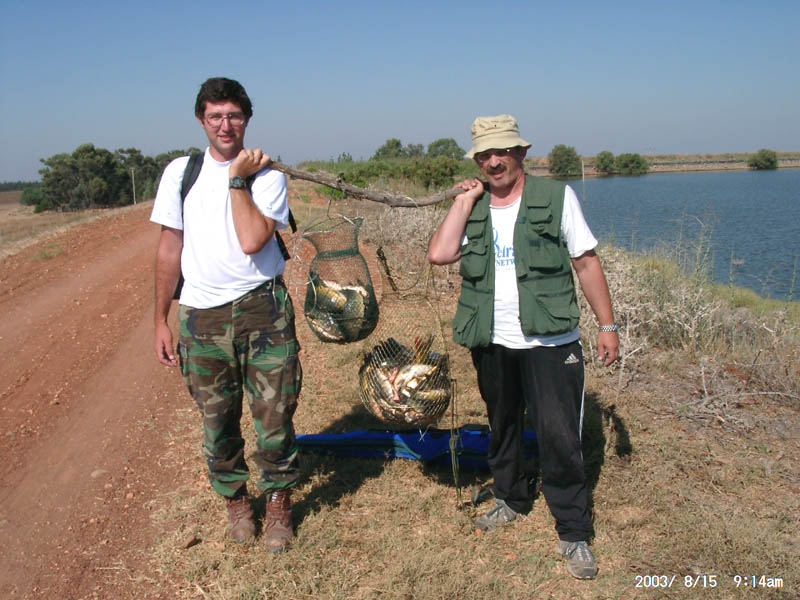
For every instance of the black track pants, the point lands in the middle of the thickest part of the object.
(549, 383)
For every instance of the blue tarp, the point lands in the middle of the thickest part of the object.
(432, 445)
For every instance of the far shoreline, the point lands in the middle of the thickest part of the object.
(677, 163)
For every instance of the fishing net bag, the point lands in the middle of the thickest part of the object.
(340, 302)
(404, 379)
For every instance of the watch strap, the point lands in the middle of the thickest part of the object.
(237, 183)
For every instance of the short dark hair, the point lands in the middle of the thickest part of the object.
(221, 89)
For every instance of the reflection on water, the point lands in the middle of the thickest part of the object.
(748, 220)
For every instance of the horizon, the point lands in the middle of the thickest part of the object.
(712, 78)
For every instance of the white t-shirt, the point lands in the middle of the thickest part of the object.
(507, 330)
(215, 268)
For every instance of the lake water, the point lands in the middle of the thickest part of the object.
(750, 221)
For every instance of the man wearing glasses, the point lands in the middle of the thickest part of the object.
(518, 242)
(236, 320)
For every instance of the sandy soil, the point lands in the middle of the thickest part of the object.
(84, 414)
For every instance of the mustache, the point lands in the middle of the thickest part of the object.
(495, 170)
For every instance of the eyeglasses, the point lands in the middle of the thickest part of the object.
(484, 156)
(215, 119)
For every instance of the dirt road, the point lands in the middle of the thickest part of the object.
(84, 412)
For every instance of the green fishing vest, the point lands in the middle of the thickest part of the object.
(548, 303)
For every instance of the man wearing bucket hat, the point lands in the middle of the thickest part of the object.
(518, 238)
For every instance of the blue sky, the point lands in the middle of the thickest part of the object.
(345, 76)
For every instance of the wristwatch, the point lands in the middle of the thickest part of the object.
(612, 327)
(237, 183)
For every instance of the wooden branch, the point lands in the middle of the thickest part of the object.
(338, 183)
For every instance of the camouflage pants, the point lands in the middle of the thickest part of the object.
(247, 347)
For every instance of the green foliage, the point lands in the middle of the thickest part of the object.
(89, 177)
(605, 163)
(393, 148)
(401, 167)
(415, 150)
(142, 171)
(564, 161)
(94, 177)
(32, 196)
(631, 164)
(446, 147)
(764, 159)
(344, 157)
(429, 174)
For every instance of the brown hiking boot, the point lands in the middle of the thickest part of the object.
(278, 531)
(241, 526)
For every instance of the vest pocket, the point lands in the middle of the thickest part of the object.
(552, 312)
(543, 255)
(471, 325)
(539, 219)
(474, 262)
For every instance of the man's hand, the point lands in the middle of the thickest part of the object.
(164, 346)
(248, 162)
(607, 346)
(473, 189)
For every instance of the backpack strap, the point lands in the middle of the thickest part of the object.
(190, 174)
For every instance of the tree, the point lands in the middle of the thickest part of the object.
(415, 150)
(764, 159)
(604, 162)
(393, 148)
(631, 164)
(564, 161)
(141, 170)
(446, 147)
(163, 159)
(94, 177)
(89, 177)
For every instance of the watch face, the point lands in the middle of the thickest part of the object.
(237, 183)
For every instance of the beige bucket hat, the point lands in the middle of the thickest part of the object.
(496, 132)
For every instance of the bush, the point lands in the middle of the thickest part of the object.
(564, 161)
(423, 174)
(764, 159)
(631, 164)
(31, 196)
(604, 163)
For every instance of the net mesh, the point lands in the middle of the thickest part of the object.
(340, 303)
(405, 375)
(392, 326)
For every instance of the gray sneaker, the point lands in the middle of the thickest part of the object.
(580, 560)
(501, 514)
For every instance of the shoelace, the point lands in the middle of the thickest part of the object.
(581, 550)
(501, 512)
(239, 509)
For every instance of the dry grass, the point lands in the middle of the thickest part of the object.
(20, 226)
(690, 444)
